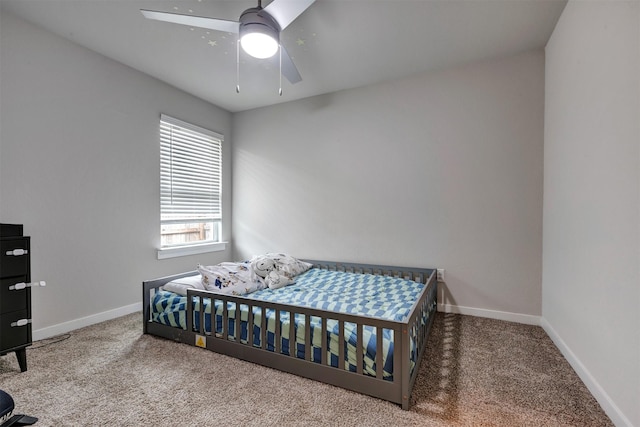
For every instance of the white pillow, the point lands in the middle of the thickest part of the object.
(180, 286)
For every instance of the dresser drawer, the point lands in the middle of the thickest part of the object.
(14, 257)
(13, 300)
(14, 336)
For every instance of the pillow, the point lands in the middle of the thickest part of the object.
(288, 265)
(180, 286)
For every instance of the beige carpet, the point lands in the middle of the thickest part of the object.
(476, 372)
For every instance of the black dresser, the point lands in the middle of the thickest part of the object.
(15, 292)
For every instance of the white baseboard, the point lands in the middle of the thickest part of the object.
(608, 406)
(63, 328)
(526, 319)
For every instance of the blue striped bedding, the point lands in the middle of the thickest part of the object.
(373, 296)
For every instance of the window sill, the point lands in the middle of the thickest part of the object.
(191, 250)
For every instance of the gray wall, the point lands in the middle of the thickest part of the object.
(443, 169)
(591, 280)
(440, 170)
(80, 168)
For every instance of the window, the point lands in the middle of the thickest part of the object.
(190, 188)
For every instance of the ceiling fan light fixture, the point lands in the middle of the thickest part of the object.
(259, 44)
(259, 33)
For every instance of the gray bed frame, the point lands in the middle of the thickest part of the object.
(398, 390)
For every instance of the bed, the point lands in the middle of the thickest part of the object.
(361, 327)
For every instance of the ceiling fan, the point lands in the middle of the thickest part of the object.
(258, 29)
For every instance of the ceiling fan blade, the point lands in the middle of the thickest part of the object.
(193, 21)
(289, 69)
(286, 11)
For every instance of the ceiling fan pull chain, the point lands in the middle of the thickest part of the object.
(280, 73)
(238, 66)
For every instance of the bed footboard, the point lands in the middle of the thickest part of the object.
(292, 345)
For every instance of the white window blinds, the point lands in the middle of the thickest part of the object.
(190, 173)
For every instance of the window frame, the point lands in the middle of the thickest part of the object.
(200, 246)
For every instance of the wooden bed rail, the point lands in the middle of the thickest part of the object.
(149, 288)
(415, 327)
(280, 333)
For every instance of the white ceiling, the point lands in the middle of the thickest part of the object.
(335, 44)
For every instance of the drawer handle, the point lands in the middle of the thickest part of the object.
(21, 322)
(17, 252)
(22, 285)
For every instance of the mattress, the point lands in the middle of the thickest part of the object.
(372, 296)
